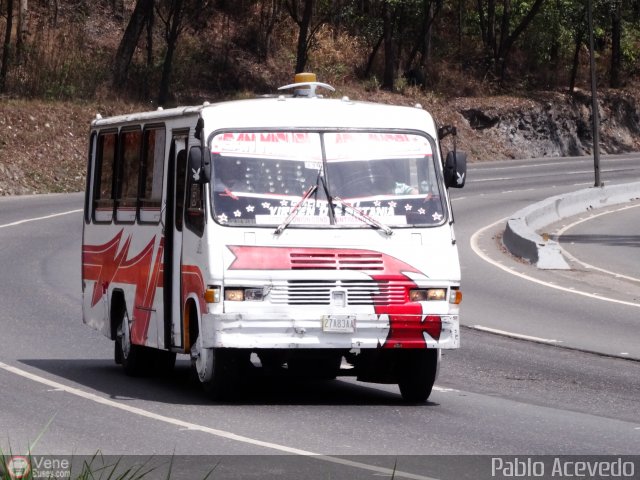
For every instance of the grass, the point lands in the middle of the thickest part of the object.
(97, 467)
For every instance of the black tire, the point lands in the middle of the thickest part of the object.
(417, 371)
(219, 371)
(135, 359)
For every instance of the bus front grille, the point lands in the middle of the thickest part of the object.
(318, 292)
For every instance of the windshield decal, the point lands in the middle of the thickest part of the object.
(278, 145)
(259, 211)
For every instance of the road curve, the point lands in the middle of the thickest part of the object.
(560, 307)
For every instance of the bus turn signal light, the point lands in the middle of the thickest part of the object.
(455, 296)
(212, 295)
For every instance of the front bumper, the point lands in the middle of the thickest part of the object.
(257, 331)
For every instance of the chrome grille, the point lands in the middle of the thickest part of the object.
(318, 292)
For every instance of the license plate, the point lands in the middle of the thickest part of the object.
(339, 323)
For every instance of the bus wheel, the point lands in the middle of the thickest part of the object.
(216, 370)
(417, 371)
(134, 358)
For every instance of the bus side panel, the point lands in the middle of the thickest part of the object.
(127, 260)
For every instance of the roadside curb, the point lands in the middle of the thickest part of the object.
(520, 236)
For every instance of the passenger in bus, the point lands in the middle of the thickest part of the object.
(227, 177)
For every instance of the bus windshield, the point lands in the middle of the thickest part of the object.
(259, 178)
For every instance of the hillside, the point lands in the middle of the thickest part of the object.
(43, 145)
(70, 58)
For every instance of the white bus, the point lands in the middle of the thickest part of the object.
(309, 235)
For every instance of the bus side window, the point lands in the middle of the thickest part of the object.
(103, 195)
(90, 172)
(128, 170)
(151, 175)
(181, 167)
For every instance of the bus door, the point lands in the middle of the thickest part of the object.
(174, 223)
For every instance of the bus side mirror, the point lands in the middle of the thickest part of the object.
(455, 169)
(199, 165)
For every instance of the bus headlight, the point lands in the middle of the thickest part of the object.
(244, 294)
(234, 294)
(427, 294)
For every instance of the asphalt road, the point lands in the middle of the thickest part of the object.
(607, 241)
(585, 308)
(61, 393)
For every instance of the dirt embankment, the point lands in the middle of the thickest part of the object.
(43, 146)
(554, 125)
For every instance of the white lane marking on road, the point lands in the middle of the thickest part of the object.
(560, 232)
(181, 424)
(27, 220)
(474, 246)
(514, 335)
(494, 179)
(539, 175)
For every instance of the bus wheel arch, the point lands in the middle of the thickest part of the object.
(215, 368)
(202, 359)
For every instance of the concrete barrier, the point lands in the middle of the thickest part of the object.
(520, 235)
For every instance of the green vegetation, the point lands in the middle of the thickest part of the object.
(171, 51)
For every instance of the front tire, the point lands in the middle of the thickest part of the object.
(217, 369)
(417, 372)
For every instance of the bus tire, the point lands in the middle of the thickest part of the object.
(217, 370)
(417, 372)
(135, 359)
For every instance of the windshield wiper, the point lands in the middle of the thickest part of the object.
(360, 215)
(294, 211)
(332, 213)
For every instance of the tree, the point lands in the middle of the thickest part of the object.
(422, 45)
(388, 76)
(303, 20)
(140, 17)
(6, 50)
(615, 80)
(500, 30)
(177, 15)
(172, 19)
(270, 15)
(23, 29)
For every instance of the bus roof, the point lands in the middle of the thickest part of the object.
(289, 112)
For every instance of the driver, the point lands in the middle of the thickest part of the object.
(387, 182)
